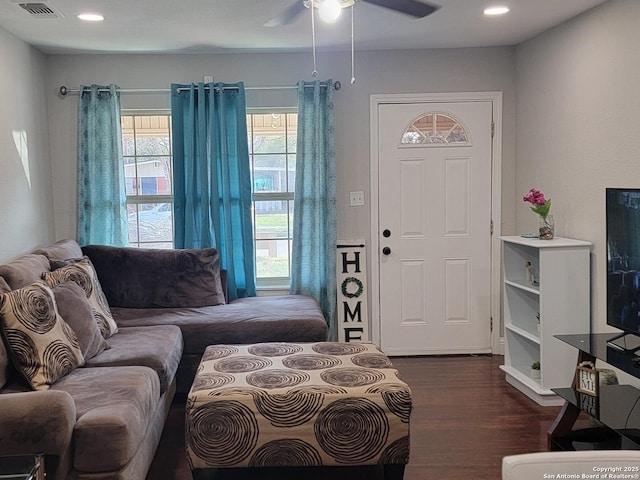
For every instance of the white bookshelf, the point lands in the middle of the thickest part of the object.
(562, 300)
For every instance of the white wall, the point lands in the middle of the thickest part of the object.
(578, 118)
(26, 214)
(482, 69)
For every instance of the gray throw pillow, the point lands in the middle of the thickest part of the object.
(43, 347)
(4, 288)
(56, 264)
(74, 309)
(24, 270)
(60, 250)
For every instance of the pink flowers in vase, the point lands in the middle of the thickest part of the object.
(541, 205)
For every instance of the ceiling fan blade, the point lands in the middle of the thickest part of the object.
(287, 16)
(413, 8)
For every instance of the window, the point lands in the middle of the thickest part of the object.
(272, 149)
(434, 128)
(146, 146)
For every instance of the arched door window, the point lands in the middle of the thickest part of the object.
(435, 128)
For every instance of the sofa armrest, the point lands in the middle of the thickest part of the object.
(532, 466)
(36, 422)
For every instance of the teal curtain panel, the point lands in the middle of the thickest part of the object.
(313, 258)
(101, 198)
(212, 178)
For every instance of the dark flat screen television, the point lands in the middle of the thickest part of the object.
(623, 260)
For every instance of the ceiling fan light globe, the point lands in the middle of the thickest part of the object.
(330, 10)
(496, 10)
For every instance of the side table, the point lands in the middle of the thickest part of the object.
(616, 408)
(22, 467)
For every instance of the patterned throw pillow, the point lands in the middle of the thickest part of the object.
(83, 273)
(4, 355)
(4, 364)
(43, 347)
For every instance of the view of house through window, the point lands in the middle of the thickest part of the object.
(146, 147)
(435, 128)
(272, 148)
(146, 140)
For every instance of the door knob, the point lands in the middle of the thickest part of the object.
(386, 233)
(386, 250)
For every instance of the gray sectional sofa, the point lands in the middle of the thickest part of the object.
(97, 409)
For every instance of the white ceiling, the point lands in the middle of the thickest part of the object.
(212, 26)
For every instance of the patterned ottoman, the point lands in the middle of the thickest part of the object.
(297, 405)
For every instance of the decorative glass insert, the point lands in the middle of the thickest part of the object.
(435, 128)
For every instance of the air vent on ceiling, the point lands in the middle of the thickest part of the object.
(40, 10)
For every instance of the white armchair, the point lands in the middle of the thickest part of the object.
(582, 464)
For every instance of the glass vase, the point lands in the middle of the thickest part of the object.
(545, 227)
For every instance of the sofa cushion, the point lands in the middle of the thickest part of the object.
(43, 347)
(156, 278)
(83, 273)
(24, 270)
(61, 250)
(114, 408)
(74, 308)
(288, 318)
(158, 347)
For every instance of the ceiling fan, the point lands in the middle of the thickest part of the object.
(413, 8)
(329, 11)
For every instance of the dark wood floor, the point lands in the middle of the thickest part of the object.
(465, 419)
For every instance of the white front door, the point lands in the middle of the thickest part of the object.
(434, 222)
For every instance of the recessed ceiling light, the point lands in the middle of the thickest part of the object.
(91, 17)
(497, 10)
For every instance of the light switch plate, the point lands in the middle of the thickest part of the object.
(356, 198)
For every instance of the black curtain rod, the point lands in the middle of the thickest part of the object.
(64, 91)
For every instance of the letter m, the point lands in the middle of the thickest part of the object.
(352, 315)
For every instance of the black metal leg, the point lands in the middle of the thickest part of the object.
(204, 473)
(393, 471)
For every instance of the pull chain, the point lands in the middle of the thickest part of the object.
(353, 61)
(313, 40)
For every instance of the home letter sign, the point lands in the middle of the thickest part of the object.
(353, 319)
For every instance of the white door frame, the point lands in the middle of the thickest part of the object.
(497, 345)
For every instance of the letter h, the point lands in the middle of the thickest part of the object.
(346, 263)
